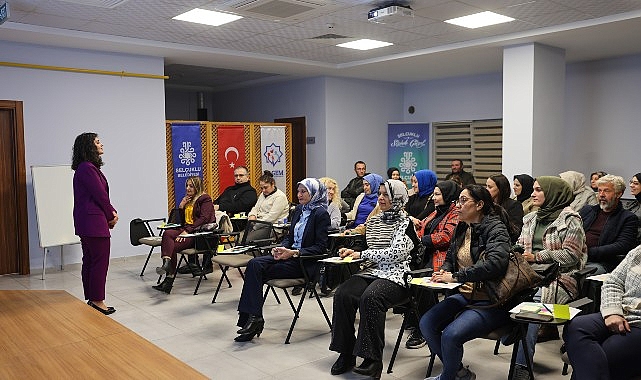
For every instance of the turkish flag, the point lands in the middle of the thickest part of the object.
(231, 153)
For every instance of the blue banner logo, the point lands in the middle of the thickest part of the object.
(273, 154)
(186, 155)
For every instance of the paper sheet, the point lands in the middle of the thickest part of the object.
(427, 282)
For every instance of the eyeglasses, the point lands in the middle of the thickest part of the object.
(463, 200)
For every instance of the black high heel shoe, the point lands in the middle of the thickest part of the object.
(344, 363)
(370, 368)
(246, 337)
(251, 324)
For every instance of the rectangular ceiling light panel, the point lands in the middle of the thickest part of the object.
(203, 16)
(364, 44)
(479, 20)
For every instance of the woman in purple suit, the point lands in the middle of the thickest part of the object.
(93, 217)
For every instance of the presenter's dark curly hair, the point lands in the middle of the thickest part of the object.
(84, 149)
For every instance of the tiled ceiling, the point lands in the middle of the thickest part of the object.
(285, 38)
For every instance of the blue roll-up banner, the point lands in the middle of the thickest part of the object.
(408, 148)
(187, 155)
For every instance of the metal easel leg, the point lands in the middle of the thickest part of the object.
(44, 261)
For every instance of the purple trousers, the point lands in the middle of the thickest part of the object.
(170, 247)
(95, 263)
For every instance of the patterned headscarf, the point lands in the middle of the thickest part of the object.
(426, 182)
(397, 192)
(374, 181)
(558, 195)
(318, 192)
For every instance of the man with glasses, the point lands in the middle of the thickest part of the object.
(610, 231)
(240, 197)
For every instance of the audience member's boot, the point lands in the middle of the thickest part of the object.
(165, 285)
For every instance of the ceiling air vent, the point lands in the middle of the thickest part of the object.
(279, 9)
(329, 36)
(98, 3)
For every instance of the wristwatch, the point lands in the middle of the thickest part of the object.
(296, 253)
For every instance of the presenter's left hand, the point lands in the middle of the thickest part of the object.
(112, 222)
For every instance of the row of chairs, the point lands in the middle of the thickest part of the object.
(258, 237)
(261, 235)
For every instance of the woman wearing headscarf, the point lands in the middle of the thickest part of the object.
(307, 236)
(583, 195)
(366, 201)
(499, 187)
(435, 232)
(390, 238)
(635, 205)
(554, 233)
(420, 204)
(523, 187)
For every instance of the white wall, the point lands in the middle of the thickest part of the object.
(127, 113)
(183, 104)
(603, 116)
(358, 112)
(477, 97)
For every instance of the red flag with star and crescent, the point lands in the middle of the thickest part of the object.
(231, 153)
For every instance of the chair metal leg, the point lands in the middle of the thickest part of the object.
(430, 365)
(565, 369)
(496, 346)
(220, 282)
(320, 304)
(296, 311)
(142, 272)
(398, 343)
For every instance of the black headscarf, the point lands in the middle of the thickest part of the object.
(527, 187)
(638, 177)
(450, 191)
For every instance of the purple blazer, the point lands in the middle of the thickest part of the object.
(91, 206)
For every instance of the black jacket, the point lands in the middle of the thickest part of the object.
(240, 197)
(489, 236)
(315, 233)
(618, 237)
(352, 190)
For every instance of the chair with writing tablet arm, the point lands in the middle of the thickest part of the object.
(142, 233)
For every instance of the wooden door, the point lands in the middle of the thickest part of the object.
(14, 255)
(299, 151)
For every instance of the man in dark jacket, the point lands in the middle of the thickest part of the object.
(457, 171)
(355, 185)
(240, 197)
(610, 231)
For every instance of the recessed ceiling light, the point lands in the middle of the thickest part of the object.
(364, 44)
(203, 16)
(478, 20)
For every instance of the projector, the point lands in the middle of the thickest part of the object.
(390, 14)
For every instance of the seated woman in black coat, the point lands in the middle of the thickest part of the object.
(307, 236)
